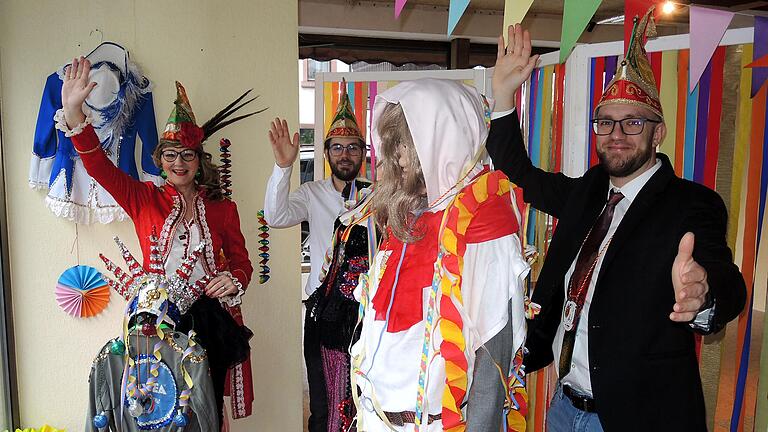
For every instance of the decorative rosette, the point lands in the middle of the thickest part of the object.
(82, 292)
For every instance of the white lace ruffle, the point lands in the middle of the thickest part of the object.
(61, 124)
(85, 215)
(234, 299)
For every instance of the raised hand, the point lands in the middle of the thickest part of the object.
(76, 88)
(285, 150)
(514, 65)
(689, 280)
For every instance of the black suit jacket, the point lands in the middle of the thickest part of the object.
(643, 366)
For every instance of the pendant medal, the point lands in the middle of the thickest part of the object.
(569, 315)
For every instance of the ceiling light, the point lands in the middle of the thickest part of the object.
(668, 7)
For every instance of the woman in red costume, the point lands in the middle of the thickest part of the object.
(189, 209)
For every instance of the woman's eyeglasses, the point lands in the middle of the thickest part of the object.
(186, 155)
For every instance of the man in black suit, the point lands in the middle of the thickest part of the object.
(638, 262)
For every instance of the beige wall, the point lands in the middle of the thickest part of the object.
(217, 49)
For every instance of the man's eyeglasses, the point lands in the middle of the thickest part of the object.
(629, 126)
(352, 149)
(186, 155)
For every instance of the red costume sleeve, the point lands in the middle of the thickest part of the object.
(234, 248)
(130, 193)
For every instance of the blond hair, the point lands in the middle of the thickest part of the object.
(399, 194)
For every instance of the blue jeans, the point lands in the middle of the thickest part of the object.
(562, 416)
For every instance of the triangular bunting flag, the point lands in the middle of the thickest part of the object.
(760, 50)
(455, 11)
(576, 16)
(707, 29)
(514, 12)
(761, 62)
(635, 8)
(399, 5)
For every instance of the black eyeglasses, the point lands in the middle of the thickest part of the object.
(629, 126)
(352, 149)
(186, 155)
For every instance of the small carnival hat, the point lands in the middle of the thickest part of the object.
(634, 83)
(344, 123)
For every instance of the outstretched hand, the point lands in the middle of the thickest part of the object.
(76, 88)
(514, 65)
(285, 149)
(690, 282)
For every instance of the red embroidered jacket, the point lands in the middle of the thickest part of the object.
(163, 208)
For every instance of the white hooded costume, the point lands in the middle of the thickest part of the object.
(448, 126)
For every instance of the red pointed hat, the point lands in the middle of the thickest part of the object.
(634, 83)
(182, 127)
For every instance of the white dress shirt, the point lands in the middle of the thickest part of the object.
(578, 377)
(317, 202)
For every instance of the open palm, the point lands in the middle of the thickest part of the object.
(284, 148)
(76, 88)
(514, 65)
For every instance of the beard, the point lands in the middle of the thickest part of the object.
(348, 171)
(623, 166)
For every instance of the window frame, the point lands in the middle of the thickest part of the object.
(9, 392)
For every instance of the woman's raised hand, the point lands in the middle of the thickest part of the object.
(77, 86)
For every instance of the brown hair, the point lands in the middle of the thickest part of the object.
(209, 173)
(398, 194)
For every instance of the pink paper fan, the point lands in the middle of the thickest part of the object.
(82, 292)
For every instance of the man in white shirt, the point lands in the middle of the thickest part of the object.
(318, 202)
(638, 261)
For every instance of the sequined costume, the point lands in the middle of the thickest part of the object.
(333, 308)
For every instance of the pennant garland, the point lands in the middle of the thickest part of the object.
(514, 12)
(264, 248)
(761, 62)
(760, 74)
(399, 5)
(707, 29)
(576, 16)
(455, 11)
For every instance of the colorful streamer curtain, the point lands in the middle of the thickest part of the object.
(540, 104)
(716, 137)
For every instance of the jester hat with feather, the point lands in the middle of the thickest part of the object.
(182, 129)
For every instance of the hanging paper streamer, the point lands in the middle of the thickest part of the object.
(707, 29)
(82, 292)
(759, 75)
(455, 11)
(514, 12)
(399, 5)
(264, 248)
(759, 63)
(576, 16)
(225, 169)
